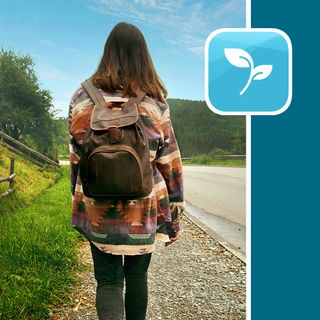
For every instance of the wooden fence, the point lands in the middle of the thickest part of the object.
(27, 152)
(10, 179)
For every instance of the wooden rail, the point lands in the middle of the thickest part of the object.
(10, 178)
(20, 148)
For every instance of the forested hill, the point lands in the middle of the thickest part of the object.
(199, 130)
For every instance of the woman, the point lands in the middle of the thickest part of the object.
(117, 228)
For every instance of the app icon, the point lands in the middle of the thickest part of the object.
(248, 71)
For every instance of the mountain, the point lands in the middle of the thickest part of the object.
(199, 130)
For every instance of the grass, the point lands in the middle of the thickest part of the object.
(30, 181)
(204, 159)
(37, 252)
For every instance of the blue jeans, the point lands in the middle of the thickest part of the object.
(110, 272)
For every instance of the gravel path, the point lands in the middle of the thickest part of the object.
(193, 279)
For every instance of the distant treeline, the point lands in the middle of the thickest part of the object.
(199, 130)
(27, 114)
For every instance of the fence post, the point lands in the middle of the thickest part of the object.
(11, 172)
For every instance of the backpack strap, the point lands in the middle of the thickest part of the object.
(136, 100)
(97, 97)
(94, 93)
(103, 117)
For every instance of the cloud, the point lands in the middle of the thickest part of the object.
(61, 102)
(61, 107)
(182, 23)
(48, 72)
(197, 50)
(57, 46)
(158, 5)
(48, 43)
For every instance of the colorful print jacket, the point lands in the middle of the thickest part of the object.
(129, 227)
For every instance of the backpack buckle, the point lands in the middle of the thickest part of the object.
(114, 134)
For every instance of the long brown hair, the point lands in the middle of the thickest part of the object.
(127, 64)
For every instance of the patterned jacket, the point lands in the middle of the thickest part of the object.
(129, 227)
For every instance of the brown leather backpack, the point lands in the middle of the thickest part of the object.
(114, 159)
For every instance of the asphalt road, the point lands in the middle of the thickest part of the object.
(217, 190)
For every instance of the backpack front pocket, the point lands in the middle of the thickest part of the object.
(114, 171)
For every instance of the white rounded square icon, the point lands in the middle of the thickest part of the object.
(248, 71)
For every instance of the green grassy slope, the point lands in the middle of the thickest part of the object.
(37, 254)
(30, 181)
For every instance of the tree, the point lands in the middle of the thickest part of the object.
(199, 130)
(61, 139)
(239, 143)
(25, 109)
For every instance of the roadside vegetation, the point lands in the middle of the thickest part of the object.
(37, 243)
(37, 254)
(217, 157)
(30, 181)
(204, 159)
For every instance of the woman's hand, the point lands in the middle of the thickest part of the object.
(173, 239)
(177, 237)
